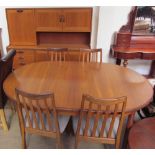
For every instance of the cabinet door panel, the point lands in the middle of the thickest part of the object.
(48, 20)
(77, 20)
(21, 26)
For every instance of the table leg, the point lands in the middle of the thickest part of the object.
(118, 61)
(125, 63)
(69, 128)
(152, 69)
(128, 126)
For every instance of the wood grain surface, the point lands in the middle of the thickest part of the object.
(69, 80)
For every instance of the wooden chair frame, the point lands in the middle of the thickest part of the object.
(58, 54)
(90, 55)
(30, 103)
(6, 63)
(111, 107)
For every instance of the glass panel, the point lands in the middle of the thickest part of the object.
(145, 21)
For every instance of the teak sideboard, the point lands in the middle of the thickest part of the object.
(34, 30)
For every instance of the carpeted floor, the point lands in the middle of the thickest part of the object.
(12, 138)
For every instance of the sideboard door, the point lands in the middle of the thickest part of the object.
(77, 20)
(21, 26)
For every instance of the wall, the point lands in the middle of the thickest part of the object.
(106, 20)
(3, 25)
(111, 18)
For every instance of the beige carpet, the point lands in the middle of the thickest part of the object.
(12, 138)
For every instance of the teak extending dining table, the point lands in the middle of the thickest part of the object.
(69, 80)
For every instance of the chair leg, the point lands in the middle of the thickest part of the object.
(59, 144)
(3, 119)
(117, 146)
(23, 140)
(13, 108)
(76, 142)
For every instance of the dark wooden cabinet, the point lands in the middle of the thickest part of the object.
(21, 26)
(33, 31)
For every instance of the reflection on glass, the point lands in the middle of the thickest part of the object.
(145, 21)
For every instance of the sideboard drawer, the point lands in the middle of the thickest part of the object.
(23, 57)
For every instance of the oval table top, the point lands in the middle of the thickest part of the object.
(69, 80)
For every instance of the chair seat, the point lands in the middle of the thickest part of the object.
(63, 121)
(142, 134)
(114, 132)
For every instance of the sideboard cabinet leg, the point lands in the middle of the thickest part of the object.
(118, 61)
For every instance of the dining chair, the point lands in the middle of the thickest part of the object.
(38, 115)
(149, 110)
(100, 120)
(6, 63)
(58, 54)
(141, 134)
(90, 55)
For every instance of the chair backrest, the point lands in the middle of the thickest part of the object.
(58, 54)
(6, 63)
(37, 113)
(104, 113)
(90, 55)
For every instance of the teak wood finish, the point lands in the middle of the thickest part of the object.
(90, 55)
(33, 30)
(36, 107)
(142, 134)
(69, 80)
(44, 22)
(21, 26)
(64, 20)
(111, 107)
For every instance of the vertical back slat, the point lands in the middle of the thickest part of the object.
(40, 115)
(113, 121)
(91, 55)
(27, 112)
(52, 56)
(104, 121)
(88, 120)
(55, 116)
(48, 116)
(64, 56)
(56, 56)
(96, 57)
(33, 114)
(60, 59)
(96, 120)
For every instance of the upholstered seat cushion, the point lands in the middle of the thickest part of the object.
(114, 132)
(63, 121)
